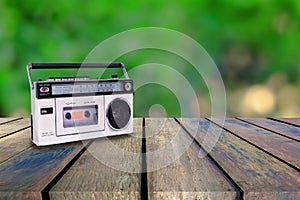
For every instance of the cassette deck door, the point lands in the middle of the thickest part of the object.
(75, 115)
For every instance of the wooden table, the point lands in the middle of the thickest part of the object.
(249, 159)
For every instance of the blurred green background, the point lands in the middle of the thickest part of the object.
(254, 43)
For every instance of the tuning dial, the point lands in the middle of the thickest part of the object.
(128, 86)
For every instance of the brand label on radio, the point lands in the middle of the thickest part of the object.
(44, 89)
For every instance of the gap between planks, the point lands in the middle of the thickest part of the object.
(14, 144)
(144, 175)
(226, 175)
(258, 174)
(244, 133)
(14, 126)
(290, 121)
(27, 174)
(7, 120)
(283, 133)
(45, 192)
(89, 178)
(186, 175)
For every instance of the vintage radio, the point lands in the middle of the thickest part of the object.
(69, 109)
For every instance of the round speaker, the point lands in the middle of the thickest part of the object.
(118, 114)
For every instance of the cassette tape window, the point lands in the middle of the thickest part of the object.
(80, 116)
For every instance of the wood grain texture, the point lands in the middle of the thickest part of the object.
(280, 146)
(25, 175)
(258, 174)
(4, 120)
(278, 127)
(189, 176)
(13, 126)
(14, 144)
(88, 178)
(293, 121)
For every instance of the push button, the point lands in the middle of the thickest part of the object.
(45, 111)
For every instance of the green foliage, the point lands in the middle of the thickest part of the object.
(248, 40)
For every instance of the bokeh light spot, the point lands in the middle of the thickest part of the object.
(259, 99)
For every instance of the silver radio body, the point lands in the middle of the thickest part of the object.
(72, 109)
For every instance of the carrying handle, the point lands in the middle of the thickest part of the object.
(31, 66)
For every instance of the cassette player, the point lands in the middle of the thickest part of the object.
(78, 108)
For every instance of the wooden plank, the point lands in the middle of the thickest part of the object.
(25, 176)
(281, 147)
(10, 127)
(292, 121)
(14, 144)
(275, 126)
(4, 120)
(88, 178)
(189, 176)
(258, 174)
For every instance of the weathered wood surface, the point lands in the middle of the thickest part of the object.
(88, 178)
(292, 121)
(189, 176)
(12, 145)
(28, 173)
(280, 146)
(259, 175)
(238, 163)
(287, 130)
(5, 120)
(14, 126)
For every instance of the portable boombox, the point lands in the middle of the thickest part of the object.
(77, 108)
